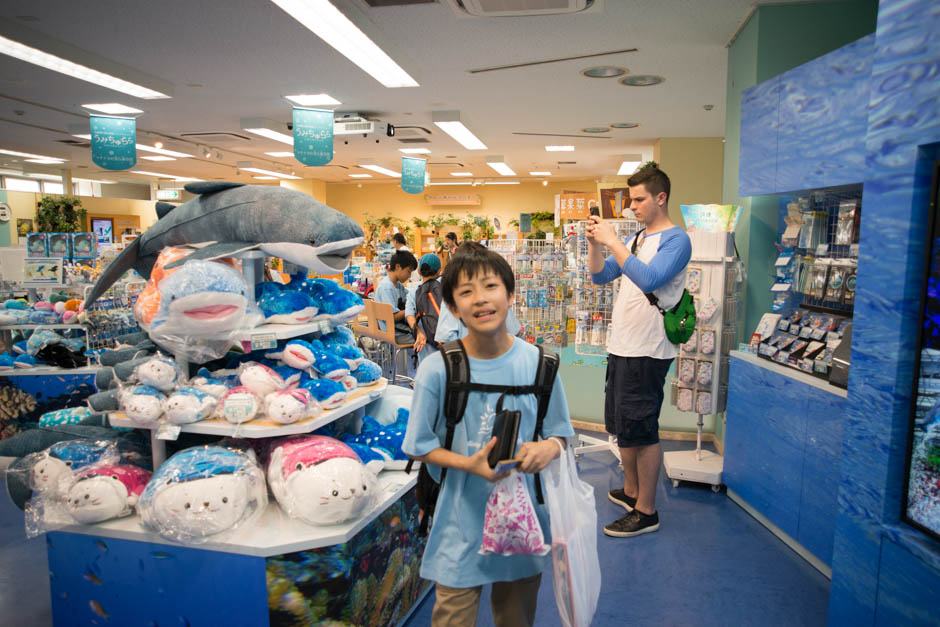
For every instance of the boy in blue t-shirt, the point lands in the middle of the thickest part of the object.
(478, 288)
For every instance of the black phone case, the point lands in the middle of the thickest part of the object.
(506, 430)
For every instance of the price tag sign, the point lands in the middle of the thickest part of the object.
(237, 410)
(263, 341)
(168, 432)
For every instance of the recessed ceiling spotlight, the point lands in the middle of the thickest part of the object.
(596, 129)
(158, 145)
(624, 125)
(603, 71)
(642, 80)
(544, 183)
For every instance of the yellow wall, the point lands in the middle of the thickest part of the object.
(23, 205)
(694, 166)
(314, 187)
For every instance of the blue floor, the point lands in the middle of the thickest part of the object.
(709, 564)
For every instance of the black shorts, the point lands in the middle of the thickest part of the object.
(633, 398)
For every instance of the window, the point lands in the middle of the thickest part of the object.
(20, 185)
(49, 187)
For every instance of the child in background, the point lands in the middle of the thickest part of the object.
(425, 305)
(391, 290)
(478, 288)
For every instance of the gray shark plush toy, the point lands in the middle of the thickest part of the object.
(232, 217)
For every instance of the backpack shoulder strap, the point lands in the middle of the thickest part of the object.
(654, 301)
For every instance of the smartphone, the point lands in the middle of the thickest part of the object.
(506, 430)
(596, 211)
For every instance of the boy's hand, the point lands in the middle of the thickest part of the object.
(420, 341)
(536, 456)
(478, 465)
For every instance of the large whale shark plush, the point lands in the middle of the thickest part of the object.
(232, 217)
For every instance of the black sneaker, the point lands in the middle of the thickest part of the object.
(633, 524)
(620, 498)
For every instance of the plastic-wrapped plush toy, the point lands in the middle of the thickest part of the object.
(330, 394)
(321, 480)
(338, 336)
(40, 339)
(239, 405)
(143, 404)
(302, 355)
(205, 381)
(148, 301)
(203, 491)
(201, 298)
(289, 406)
(67, 416)
(104, 491)
(386, 440)
(336, 304)
(160, 372)
(62, 458)
(189, 404)
(367, 373)
(260, 379)
(287, 307)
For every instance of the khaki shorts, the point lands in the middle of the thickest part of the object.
(513, 604)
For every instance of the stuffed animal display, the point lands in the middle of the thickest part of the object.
(189, 404)
(203, 491)
(17, 311)
(289, 406)
(143, 404)
(105, 491)
(320, 480)
(63, 458)
(335, 304)
(160, 372)
(383, 440)
(201, 298)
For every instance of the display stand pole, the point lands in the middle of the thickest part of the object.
(157, 449)
(588, 444)
(698, 438)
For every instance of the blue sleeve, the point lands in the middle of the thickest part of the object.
(410, 306)
(421, 437)
(672, 256)
(557, 420)
(386, 293)
(512, 323)
(608, 273)
(448, 326)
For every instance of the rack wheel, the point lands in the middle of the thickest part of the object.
(675, 483)
(716, 488)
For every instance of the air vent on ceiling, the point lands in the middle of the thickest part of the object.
(74, 142)
(414, 140)
(216, 138)
(516, 8)
(396, 3)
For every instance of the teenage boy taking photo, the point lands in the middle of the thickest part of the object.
(639, 351)
(478, 288)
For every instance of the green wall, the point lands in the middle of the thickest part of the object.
(4, 232)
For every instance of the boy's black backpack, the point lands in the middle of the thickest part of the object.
(458, 388)
(428, 303)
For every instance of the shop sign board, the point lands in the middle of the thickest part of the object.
(43, 271)
(452, 199)
(413, 174)
(711, 218)
(525, 222)
(313, 136)
(615, 203)
(113, 142)
(576, 206)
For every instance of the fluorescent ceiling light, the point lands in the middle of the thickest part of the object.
(559, 148)
(360, 176)
(327, 23)
(451, 183)
(450, 123)
(159, 158)
(69, 68)
(313, 100)
(629, 165)
(540, 173)
(461, 173)
(93, 181)
(160, 151)
(268, 128)
(280, 154)
(280, 175)
(82, 135)
(44, 177)
(500, 166)
(415, 151)
(27, 155)
(381, 170)
(45, 161)
(164, 176)
(265, 178)
(500, 182)
(112, 108)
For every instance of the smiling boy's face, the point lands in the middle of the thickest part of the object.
(482, 303)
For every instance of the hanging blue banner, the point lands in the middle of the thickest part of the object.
(525, 222)
(113, 142)
(413, 175)
(313, 136)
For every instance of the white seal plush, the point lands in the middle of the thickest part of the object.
(289, 406)
(189, 404)
(321, 480)
(143, 404)
(160, 372)
(105, 491)
(202, 491)
(62, 458)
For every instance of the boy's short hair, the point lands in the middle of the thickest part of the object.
(654, 179)
(472, 259)
(398, 237)
(403, 259)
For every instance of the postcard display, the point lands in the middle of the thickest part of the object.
(362, 571)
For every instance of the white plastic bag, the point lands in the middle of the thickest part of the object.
(576, 568)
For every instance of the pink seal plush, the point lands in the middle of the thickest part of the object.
(105, 491)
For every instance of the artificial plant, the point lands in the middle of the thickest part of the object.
(60, 215)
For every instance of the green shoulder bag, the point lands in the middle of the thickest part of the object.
(678, 321)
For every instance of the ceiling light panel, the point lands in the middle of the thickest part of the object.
(461, 173)
(313, 100)
(540, 173)
(415, 151)
(500, 166)
(160, 151)
(642, 80)
(269, 129)
(559, 148)
(27, 155)
(164, 176)
(500, 182)
(630, 164)
(329, 24)
(360, 176)
(280, 175)
(265, 178)
(158, 158)
(280, 154)
(381, 170)
(450, 123)
(112, 108)
(55, 63)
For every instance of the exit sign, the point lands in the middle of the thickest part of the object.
(168, 194)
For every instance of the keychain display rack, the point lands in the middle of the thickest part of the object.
(542, 288)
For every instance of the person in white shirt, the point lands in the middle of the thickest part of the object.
(640, 354)
(398, 241)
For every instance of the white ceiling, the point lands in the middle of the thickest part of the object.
(236, 59)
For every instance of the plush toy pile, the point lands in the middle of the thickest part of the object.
(46, 347)
(55, 311)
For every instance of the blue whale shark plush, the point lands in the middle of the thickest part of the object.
(287, 307)
(386, 440)
(235, 217)
(329, 393)
(302, 355)
(336, 304)
(201, 298)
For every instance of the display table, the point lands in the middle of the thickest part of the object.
(782, 452)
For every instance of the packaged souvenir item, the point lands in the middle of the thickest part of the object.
(48, 467)
(768, 323)
(684, 399)
(104, 491)
(289, 406)
(686, 370)
(708, 310)
(143, 404)
(189, 404)
(160, 372)
(60, 245)
(707, 342)
(691, 345)
(321, 480)
(845, 227)
(693, 280)
(84, 245)
(37, 244)
(260, 379)
(203, 491)
(848, 295)
(704, 374)
(703, 403)
(510, 526)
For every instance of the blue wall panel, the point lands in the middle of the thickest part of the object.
(758, 154)
(823, 120)
(905, 583)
